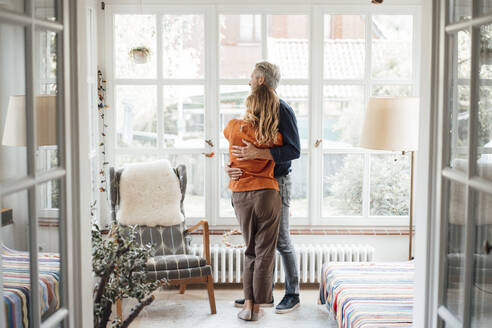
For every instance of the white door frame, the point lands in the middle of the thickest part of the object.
(425, 196)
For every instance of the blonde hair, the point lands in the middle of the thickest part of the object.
(262, 108)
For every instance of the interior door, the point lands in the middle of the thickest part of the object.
(35, 168)
(464, 264)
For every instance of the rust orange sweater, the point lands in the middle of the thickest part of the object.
(257, 173)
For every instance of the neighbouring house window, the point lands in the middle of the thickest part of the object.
(194, 81)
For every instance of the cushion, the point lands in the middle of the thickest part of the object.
(179, 273)
(150, 195)
(174, 262)
(166, 240)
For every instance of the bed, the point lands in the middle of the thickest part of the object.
(369, 295)
(16, 285)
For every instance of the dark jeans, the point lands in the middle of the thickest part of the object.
(284, 244)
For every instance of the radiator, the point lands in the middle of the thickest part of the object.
(227, 263)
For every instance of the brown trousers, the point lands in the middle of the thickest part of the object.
(258, 213)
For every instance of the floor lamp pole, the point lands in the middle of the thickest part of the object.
(410, 225)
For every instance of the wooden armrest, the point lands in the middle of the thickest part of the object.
(206, 240)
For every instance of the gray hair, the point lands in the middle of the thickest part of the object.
(270, 72)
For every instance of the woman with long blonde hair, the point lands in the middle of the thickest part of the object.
(255, 196)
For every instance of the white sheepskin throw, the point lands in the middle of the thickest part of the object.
(150, 195)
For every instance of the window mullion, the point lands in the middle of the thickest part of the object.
(212, 128)
(159, 87)
(316, 48)
(366, 193)
(35, 317)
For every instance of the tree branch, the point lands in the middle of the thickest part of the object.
(106, 314)
(137, 311)
(102, 283)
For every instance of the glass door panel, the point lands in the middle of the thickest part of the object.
(13, 132)
(49, 246)
(482, 263)
(466, 272)
(458, 102)
(46, 100)
(455, 254)
(484, 128)
(16, 264)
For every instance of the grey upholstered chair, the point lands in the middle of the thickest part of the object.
(173, 260)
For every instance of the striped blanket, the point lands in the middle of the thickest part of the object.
(16, 285)
(369, 295)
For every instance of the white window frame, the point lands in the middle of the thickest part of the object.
(367, 82)
(315, 82)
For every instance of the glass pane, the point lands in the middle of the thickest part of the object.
(45, 9)
(46, 100)
(194, 202)
(297, 96)
(345, 47)
(342, 184)
(122, 159)
(392, 46)
(300, 187)
(225, 205)
(49, 246)
(14, 5)
(484, 127)
(288, 44)
(240, 45)
(184, 116)
(343, 114)
(455, 277)
(484, 7)
(461, 9)
(390, 184)
(232, 99)
(459, 99)
(135, 46)
(183, 46)
(482, 276)
(15, 266)
(391, 90)
(136, 116)
(13, 134)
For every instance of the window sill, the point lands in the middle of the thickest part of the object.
(339, 231)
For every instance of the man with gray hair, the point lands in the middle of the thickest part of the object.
(269, 74)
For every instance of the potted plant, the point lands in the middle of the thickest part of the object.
(140, 55)
(119, 264)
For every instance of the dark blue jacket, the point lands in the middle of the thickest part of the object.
(291, 149)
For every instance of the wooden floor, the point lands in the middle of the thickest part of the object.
(170, 309)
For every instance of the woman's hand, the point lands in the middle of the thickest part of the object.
(233, 173)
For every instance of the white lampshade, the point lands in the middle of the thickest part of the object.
(391, 123)
(15, 125)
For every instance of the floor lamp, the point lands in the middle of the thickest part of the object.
(391, 123)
